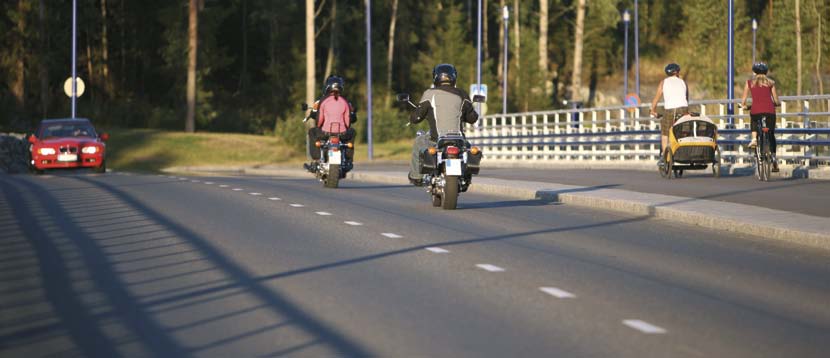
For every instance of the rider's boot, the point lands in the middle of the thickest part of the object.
(774, 164)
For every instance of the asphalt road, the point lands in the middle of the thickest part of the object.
(798, 195)
(138, 265)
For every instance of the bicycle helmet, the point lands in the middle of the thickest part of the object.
(672, 69)
(444, 73)
(334, 83)
(760, 68)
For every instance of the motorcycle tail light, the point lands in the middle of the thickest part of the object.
(475, 150)
(334, 140)
(432, 150)
(453, 151)
(318, 144)
(350, 145)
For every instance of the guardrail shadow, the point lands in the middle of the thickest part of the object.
(112, 279)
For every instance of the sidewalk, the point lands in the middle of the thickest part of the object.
(770, 223)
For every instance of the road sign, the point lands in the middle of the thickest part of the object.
(478, 90)
(632, 100)
(67, 87)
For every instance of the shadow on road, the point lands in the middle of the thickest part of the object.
(73, 287)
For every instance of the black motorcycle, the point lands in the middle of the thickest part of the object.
(448, 167)
(334, 163)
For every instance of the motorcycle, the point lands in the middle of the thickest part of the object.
(447, 167)
(334, 163)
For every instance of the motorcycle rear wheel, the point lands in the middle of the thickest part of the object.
(333, 179)
(450, 197)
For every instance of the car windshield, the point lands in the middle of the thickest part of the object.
(67, 130)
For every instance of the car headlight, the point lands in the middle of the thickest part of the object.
(46, 151)
(89, 150)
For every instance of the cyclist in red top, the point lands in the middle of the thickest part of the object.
(764, 100)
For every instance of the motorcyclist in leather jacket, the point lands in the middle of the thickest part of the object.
(446, 108)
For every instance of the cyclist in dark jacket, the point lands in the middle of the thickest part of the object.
(446, 108)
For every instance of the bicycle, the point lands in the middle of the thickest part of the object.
(763, 155)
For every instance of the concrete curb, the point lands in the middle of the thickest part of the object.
(807, 230)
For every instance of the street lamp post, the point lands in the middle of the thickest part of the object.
(637, 44)
(478, 57)
(74, 54)
(730, 75)
(505, 17)
(626, 20)
(369, 79)
(754, 30)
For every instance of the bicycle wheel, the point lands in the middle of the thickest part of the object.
(669, 164)
(758, 162)
(766, 156)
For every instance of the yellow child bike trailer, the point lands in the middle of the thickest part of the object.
(693, 145)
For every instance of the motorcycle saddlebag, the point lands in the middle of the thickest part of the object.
(428, 162)
(473, 162)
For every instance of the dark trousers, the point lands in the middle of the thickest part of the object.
(755, 124)
(315, 134)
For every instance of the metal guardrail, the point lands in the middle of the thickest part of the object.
(621, 133)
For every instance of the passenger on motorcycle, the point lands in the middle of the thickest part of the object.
(764, 100)
(675, 95)
(445, 108)
(333, 114)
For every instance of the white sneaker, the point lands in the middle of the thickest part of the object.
(753, 143)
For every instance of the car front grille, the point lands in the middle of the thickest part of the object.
(67, 149)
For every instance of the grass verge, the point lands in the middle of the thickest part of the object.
(153, 150)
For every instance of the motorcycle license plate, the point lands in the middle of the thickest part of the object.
(453, 166)
(67, 157)
(334, 157)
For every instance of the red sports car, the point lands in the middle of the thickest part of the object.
(67, 143)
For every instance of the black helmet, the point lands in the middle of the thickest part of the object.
(672, 69)
(760, 68)
(444, 73)
(334, 83)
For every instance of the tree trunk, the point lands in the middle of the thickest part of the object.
(90, 68)
(517, 43)
(332, 39)
(309, 52)
(798, 45)
(543, 46)
(576, 78)
(818, 49)
(43, 70)
(390, 52)
(192, 48)
(243, 75)
(499, 71)
(484, 36)
(19, 84)
(105, 67)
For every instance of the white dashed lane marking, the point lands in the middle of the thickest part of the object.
(323, 213)
(437, 250)
(237, 189)
(255, 194)
(352, 223)
(209, 183)
(194, 181)
(556, 292)
(391, 235)
(223, 186)
(274, 198)
(643, 326)
(297, 205)
(490, 268)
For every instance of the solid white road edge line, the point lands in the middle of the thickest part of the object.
(643, 326)
(556, 292)
(490, 268)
